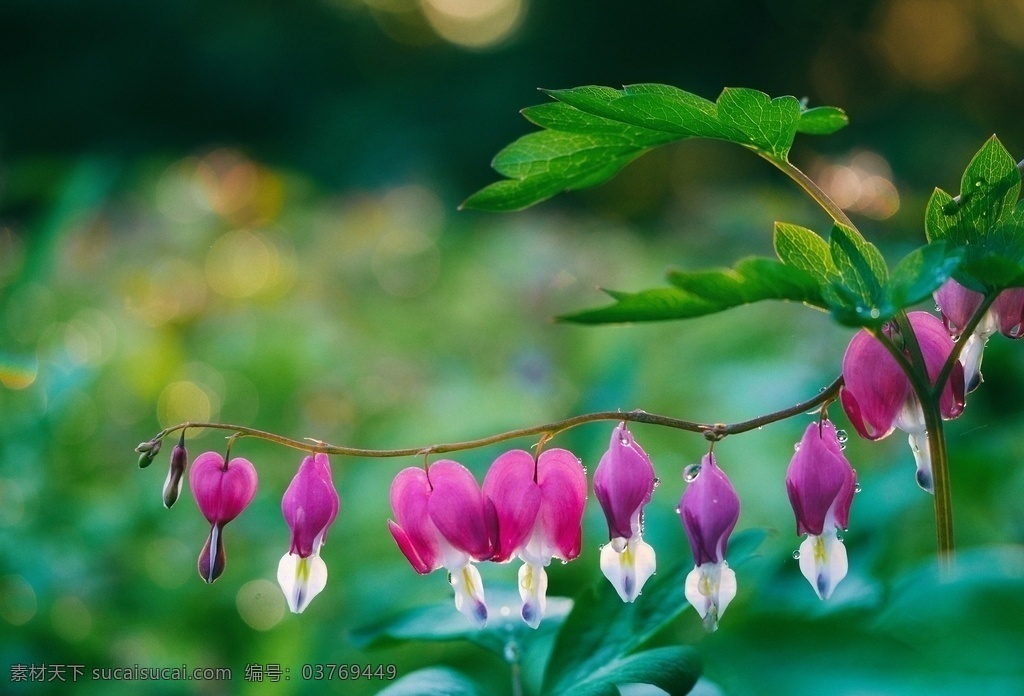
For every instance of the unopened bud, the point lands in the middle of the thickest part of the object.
(148, 451)
(179, 460)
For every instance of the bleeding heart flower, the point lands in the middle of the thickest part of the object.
(709, 510)
(222, 491)
(623, 483)
(821, 484)
(310, 505)
(538, 507)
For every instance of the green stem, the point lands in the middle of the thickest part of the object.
(714, 432)
(936, 440)
(813, 190)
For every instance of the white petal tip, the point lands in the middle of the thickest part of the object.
(710, 588)
(301, 579)
(627, 570)
(823, 562)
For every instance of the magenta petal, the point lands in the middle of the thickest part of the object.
(957, 304)
(456, 506)
(222, 494)
(1009, 308)
(510, 488)
(563, 487)
(310, 505)
(709, 509)
(623, 482)
(414, 531)
(819, 480)
(936, 345)
(875, 387)
(411, 551)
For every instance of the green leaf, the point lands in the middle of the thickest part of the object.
(442, 681)
(801, 248)
(706, 292)
(859, 295)
(602, 630)
(921, 272)
(822, 120)
(753, 279)
(593, 132)
(440, 622)
(768, 124)
(673, 669)
(985, 221)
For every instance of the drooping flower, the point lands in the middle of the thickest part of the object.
(310, 505)
(172, 484)
(222, 491)
(877, 395)
(709, 509)
(958, 304)
(623, 483)
(440, 521)
(821, 484)
(538, 507)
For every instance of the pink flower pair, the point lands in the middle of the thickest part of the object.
(528, 508)
(310, 504)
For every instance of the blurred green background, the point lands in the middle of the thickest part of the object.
(247, 212)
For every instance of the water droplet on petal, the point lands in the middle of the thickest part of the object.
(691, 473)
(796, 447)
(796, 555)
(857, 488)
(842, 436)
(657, 482)
(624, 440)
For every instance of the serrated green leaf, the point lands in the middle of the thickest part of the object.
(822, 120)
(442, 681)
(921, 272)
(752, 280)
(592, 132)
(673, 669)
(768, 124)
(985, 221)
(861, 289)
(658, 304)
(705, 292)
(802, 248)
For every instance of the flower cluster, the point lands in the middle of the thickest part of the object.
(224, 488)
(528, 508)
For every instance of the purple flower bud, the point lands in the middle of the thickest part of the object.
(821, 484)
(820, 481)
(709, 509)
(172, 485)
(624, 482)
(310, 505)
(222, 493)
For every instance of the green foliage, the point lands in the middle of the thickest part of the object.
(706, 292)
(593, 132)
(441, 681)
(986, 220)
(845, 275)
(597, 646)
